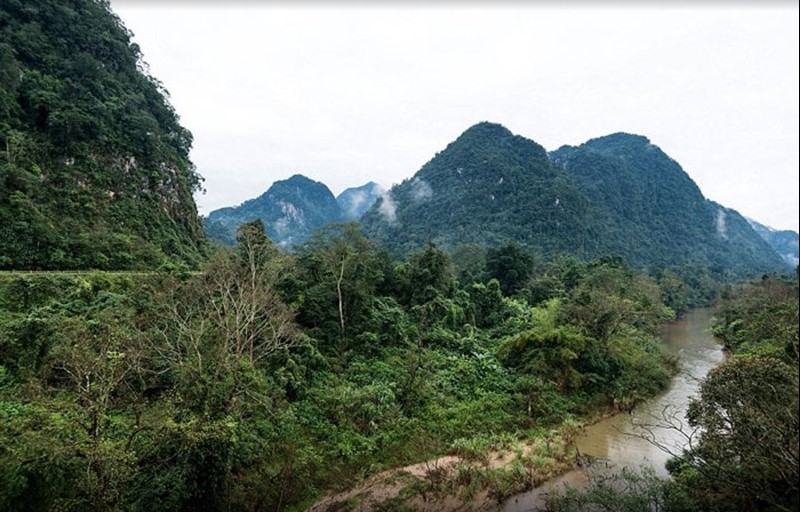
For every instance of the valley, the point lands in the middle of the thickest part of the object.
(440, 344)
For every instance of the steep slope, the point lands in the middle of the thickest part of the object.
(785, 242)
(357, 200)
(655, 213)
(94, 167)
(489, 186)
(290, 210)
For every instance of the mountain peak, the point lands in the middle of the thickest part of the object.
(619, 143)
(298, 178)
(653, 210)
(290, 209)
(300, 187)
(470, 191)
(486, 147)
(487, 129)
(620, 138)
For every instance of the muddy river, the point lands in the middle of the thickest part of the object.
(619, 441)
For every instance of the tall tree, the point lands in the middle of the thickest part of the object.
(341, 271)
(747, 457)
(226, 320)
(511, 265)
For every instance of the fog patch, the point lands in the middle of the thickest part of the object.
(420, 190)
(388, 208)
(356, 202)
(722, 228)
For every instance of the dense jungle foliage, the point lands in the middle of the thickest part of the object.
(268, 378)
(94, 165)
(746, 454)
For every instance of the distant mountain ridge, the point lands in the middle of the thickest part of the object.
(613, 195)
(290, 209)
(654, 213)
(785, 242)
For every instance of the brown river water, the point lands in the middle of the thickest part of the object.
(619, 441)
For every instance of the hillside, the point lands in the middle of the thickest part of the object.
(290, 209)
(655, 214)
(94, 164)
(614, 195)
(489, 187)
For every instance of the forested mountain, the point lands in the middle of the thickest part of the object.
(653, 211)
(355, 201)
(290, 210)
(488, 187)
(94, 166)
(785, 242)
(614, 195)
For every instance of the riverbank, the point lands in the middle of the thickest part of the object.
(465, 481)
(654, 430)
(473, 481)
(519, 476)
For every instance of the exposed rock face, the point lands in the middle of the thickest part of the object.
(290, 209)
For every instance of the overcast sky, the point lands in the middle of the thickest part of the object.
(354, 93)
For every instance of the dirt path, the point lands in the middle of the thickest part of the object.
(458, 483)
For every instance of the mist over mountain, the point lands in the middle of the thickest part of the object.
(613, 195)
(489, 187)
(95, 169)
(290, 209)
(355, 201)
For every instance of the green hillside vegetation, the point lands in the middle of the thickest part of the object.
(268, 377)
(493, 300)
(617, 195)
(654, 213)
(488, 187)
(94, 168)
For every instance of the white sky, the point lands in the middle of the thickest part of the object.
(354, 93)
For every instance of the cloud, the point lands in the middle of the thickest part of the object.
(420, 190)
(356, 201)
(722, 229)
(388, 208)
